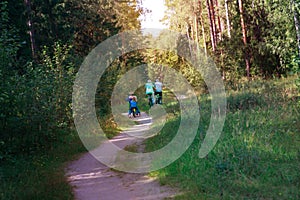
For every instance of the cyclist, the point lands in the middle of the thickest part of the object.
(133, 106)
(150, 92)
(132, 99)
(158, 91)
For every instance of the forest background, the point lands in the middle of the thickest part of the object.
(43, 43)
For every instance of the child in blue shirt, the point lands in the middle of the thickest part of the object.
(133, 104)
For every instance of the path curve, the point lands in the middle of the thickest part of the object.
(92, 180)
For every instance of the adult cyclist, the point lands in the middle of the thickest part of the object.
(158, 91)
(150, 92)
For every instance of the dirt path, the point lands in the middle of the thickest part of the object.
(92, 180)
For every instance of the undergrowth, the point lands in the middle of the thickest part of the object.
(42, 175)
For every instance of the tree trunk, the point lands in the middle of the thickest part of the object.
(211, 26)
(227, 19)
(242, 21)
(196, 30)
(202, 26)
(219, 19)
(189, 39)
(244, 31)
(31, 29)
(213, 17)
(297, 25)
(196, 23)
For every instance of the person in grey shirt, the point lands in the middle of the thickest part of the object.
(158, 91)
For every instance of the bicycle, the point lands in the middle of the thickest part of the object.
(150, 100)
(133, 112)
(158, 99)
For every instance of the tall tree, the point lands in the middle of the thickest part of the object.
(220, 27)
(211, 25)
(244, 32)
(296, 9)
(30, 27)
(227, 19)
(266, 31)
(202, 25)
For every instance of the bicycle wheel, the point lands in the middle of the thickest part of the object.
(134, 112)
(150, 100)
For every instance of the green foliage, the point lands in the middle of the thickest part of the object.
(281, 34)
(84, 24)
(35, 97)
(9, 41)
(36, 105)
(165, 59)
(271, 34)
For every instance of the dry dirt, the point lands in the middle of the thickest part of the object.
(92, 180)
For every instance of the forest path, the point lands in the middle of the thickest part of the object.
(92, 180)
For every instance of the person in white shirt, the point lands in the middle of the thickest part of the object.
(158, 91)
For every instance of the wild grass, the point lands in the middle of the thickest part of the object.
(257, 155)
(42, 175)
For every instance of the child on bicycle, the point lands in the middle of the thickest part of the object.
(132, 99)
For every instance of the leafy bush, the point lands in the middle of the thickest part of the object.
(36, 105)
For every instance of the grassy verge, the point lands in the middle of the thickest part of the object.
(258, 154)
(40, 176)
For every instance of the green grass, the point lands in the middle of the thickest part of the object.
(40, 176)
(257, 155)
